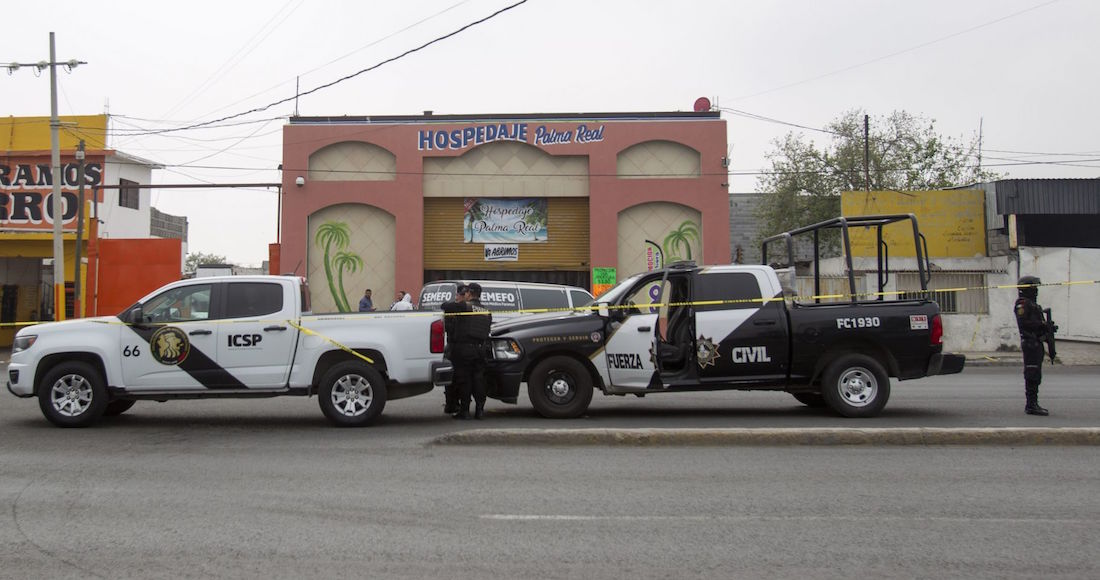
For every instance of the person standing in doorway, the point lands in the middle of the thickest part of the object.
(450, 322)
(365, 303)
(1033, 335)
(471, 338)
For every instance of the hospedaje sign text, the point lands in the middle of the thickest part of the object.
(473, 135)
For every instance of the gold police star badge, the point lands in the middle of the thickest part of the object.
(706, 352)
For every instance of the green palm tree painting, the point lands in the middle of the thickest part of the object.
(336, 235)
(350, 262)
(536, 215)
(679, 240)
(474, 213)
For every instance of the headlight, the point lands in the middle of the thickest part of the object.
(23, 342)
(506, 349)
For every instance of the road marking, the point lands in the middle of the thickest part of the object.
(749, 518)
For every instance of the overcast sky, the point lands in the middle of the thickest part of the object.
(1026, 69)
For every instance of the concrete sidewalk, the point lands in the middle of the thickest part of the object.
(1070, 353)
(772, 437)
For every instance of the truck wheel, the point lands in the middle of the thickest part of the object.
(814, 400)
(560, 388)
(118, 407)
(72, 395)
(352, 394)
(856, 385)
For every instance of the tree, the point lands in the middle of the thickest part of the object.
(196, 259)
(906, 153)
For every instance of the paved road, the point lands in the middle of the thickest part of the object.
(264, 488)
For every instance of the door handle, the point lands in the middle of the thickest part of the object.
(266, 328)
(764, 323)
(645, 328)
(198, 332)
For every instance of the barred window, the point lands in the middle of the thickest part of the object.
(956, 293)
(129, 194)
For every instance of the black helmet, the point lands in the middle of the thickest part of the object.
(1029, 286)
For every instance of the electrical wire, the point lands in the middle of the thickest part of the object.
(344, 78)
(897, 53)
(237, 56)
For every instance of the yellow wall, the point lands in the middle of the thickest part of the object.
(952, 221)
(33, 133)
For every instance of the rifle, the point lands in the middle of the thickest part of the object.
(1049, 336)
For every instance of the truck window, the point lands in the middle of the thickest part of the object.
(580, 298)
(727, 286)
(179, 304)
(543, 298)
(245, 299)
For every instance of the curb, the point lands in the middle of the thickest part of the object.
(776, 437)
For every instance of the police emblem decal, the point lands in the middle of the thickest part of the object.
(707, 352)
(169, 346)
(594, 337)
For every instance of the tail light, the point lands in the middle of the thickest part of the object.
(937, 330)
(436, 340)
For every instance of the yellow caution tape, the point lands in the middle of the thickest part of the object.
(415, 313)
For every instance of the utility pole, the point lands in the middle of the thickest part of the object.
(55, 162)
(77, 302)
(867, 152)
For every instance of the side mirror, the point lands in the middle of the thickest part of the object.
(137, 315)
(602, 310)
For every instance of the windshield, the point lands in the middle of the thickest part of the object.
(613, 294)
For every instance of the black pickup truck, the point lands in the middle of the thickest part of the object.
(700, 328)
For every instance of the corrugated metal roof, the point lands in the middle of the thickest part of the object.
(1046, 196)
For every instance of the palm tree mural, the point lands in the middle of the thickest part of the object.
(536, 215)
(345, 261)
(681, 238)
(332, 234)
(474, 212)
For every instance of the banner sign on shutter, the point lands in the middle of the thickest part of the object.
(501, 252)
(491, 220)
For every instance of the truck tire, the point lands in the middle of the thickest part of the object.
(352, 394)
(813, 400)
(560, 388)
(72, 395)
(118, 407)
(856, 385)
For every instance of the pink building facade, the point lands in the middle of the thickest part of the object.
(390, 203)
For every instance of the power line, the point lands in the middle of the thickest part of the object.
(897, 53)
(749, 115)
(233, 60)
(344, 78)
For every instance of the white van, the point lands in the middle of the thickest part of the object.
(508, 298)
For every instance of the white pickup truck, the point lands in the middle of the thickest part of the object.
(232, 337)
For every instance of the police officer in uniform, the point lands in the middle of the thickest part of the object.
(1033, 335)
(471, 333)
(450, 392)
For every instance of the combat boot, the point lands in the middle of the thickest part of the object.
(463, 411)
(479, 410)
(1032, 407)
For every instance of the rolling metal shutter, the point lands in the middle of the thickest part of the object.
(566, 249)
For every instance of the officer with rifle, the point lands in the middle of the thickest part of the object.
(1036, 329)
(471, 335)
